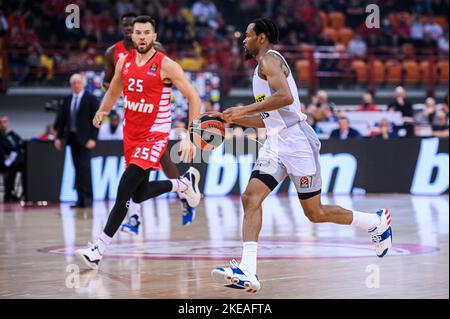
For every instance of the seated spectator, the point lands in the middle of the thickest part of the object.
(443, 44)
(344, 131)
(205, 13)
(427, 116)
(357, 47)
(112, 130)
(441, 129)
(367, 105)
(325, 108)
(49, 134)
(432, 28)
(401, 104)
(12, 158)
(416, 29)
(386, 131)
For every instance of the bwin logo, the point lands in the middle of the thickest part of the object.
(140, 106)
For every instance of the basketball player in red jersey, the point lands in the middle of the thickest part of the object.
(144, 76)
(112, 55)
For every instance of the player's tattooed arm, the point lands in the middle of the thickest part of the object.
(112, 94)
(108, 67)
(275, 74)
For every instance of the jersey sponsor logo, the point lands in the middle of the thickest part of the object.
(140, 106)
(260, 98)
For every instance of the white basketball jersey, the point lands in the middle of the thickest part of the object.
(285, 116)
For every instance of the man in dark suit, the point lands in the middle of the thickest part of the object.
(74, 126)
(344, 131)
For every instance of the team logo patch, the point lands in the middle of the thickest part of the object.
(127, 65)
(305, 181)
(153, 69)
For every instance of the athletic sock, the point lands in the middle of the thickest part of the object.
(179, 185)
(249, 254)
(365, 221)
(102, 242)
(134, 209)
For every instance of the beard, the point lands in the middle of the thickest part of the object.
(247, 55)
(145, 50)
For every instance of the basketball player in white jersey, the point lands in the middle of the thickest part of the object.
(291, 149)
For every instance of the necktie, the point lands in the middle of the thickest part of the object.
(73, 115)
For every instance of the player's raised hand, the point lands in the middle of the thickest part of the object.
(98, 118)
(187, 149)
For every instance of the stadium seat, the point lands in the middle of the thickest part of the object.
(425, 71)
(411, 72)
(441, 20)
(361, 71)
(376, 71)
(442, 71)
(336, 20)
(393, 71)
(394, 17)
(324, 18)
(408, 51)
(303, 70)
(345, 35)
(331, 34)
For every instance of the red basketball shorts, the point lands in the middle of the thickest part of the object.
(145, 154)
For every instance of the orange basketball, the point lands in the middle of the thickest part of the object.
(207, 132)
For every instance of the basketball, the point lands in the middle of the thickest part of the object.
(207, 132)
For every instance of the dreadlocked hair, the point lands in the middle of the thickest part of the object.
(266, 26)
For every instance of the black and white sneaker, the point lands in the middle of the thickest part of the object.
(192, 193)
(90, 256)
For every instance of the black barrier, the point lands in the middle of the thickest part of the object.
(416, 166)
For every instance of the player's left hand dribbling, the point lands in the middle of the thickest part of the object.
(98, 118)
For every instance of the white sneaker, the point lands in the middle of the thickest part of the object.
(192, 193)
(90, 256)
(382, 235)
(236, 277)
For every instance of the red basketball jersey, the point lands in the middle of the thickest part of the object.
(119, 51)
(146, 100)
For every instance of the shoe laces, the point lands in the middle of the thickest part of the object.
(92, 246)
(376, 238)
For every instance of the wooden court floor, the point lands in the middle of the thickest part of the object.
(298, 259)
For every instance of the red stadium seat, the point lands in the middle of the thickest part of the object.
(345, 35)
(303, 70)
(361, 71)
(408, 51)
(393, 71)
(331, 34)
(411, 72)
(324, 18)
(441, 20)
(442, 71)
(377, 71)
(336, 20)
(425, 72)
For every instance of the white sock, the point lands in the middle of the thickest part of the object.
(134, 209)
(249, 253)
(365, 221)
(178, 186)
(102, 242)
